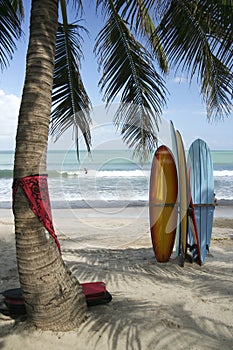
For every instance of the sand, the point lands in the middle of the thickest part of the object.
(154, 306)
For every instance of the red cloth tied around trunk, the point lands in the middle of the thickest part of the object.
(35, 188)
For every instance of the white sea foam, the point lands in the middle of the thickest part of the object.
(221, 173)
(120, 173)
(108, 177)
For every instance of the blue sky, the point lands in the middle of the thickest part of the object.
(184, 107)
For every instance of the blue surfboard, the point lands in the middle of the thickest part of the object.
(200, 173)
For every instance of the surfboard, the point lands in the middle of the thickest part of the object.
(194, 244)
(162, 203)
(174, 148)
(183, 198)
(200, 170)
(186, 216)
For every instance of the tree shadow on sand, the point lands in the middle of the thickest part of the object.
(154, 306)
(141, 325)
(119, 266)
(150, 318)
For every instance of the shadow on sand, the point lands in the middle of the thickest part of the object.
(154, 306)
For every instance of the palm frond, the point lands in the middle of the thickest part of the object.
(138, 128)
(222, 30)
(70, 102)
(138, 14)
(128, 71)
(77, 5)
(10, 30)
(18, 7)
(192, 34)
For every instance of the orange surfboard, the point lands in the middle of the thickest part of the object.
(162, 203)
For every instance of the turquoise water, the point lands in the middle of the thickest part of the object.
(107, 178)
(222, 158)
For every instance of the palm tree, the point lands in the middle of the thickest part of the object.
(195, 36)
(54, 299)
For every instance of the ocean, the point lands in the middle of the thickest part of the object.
(107, 178)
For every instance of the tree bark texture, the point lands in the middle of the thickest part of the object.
(53, 297)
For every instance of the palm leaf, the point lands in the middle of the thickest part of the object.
(192, 34)
(70, 102)
(222, 22)
(77, 5)
(10, 29)
(18, 7)
(128, 70)
(138, 14)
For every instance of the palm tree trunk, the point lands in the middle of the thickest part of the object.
(53, 297)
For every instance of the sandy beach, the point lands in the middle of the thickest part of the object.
(154, 305)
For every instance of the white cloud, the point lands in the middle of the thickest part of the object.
(9, 109)
(179, 80)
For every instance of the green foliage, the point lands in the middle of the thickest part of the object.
(70, 102)
(197, 39)
(129, 72)
(11, 14)
(140, 42)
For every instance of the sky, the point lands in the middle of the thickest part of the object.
(185, 107)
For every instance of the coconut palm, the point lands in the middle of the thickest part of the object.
(53, 297)
(139, 43)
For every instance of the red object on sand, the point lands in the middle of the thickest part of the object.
(95, 293)
(93, 289)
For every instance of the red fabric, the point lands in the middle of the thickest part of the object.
(35, 188)
(93, 289)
